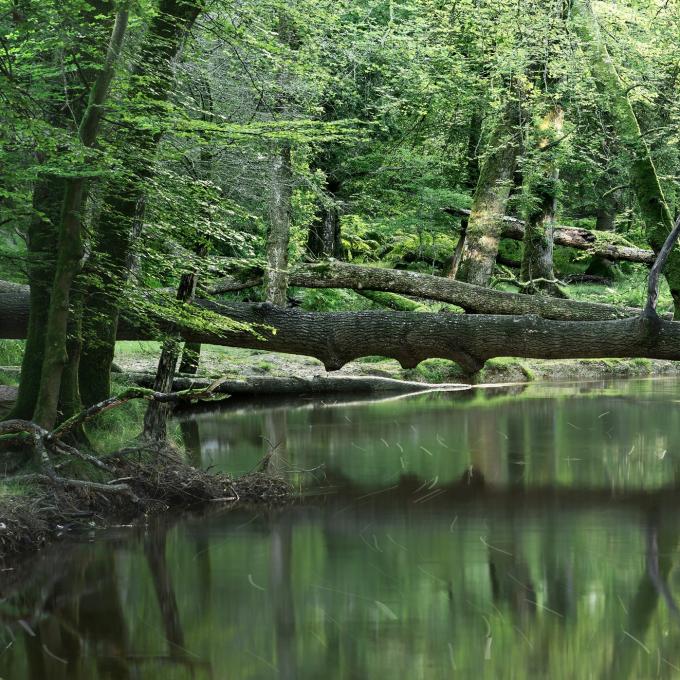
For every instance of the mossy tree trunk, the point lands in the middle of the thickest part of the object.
(48, 195)
(70, 241)
(644, 178)
(156, 417)
(324, 238)
(278, 232)
(121, 219)
(541, 181)
(41, 237)
(485, 223)
(605, 220)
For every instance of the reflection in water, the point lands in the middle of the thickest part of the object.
(509, 586)
(619, 435)
(562, 564)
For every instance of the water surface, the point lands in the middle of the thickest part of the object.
(519, 533)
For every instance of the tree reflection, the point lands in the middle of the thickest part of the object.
(661, 544)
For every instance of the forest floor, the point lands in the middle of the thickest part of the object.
(242, 363)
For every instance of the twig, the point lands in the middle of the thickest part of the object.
(79, 483)
(128, 395)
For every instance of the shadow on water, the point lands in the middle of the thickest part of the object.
(529, 535)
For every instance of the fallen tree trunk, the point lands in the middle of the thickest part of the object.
(318, 384)
(473, 299)
(574, 237)
(336, 338)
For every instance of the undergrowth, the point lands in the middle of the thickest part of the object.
(11, 352)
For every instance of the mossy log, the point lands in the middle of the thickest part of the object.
(335, 338)
(598, 244)
(472, 299)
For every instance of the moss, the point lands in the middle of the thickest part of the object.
(438, 371)
(642, 363)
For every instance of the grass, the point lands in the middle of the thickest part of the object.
(11, 352)
(9, 378)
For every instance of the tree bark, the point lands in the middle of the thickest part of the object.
(644, 179)
(278, 232)
(473, 299)
(575, 237)
(70, 246)
(124, 200)
(541, 193)
(338, 337)
(491, 196)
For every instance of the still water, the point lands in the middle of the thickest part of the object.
(507, 533)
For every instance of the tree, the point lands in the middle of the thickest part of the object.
(70, 239)
(644, 178)
(121, 219)
(485, 224)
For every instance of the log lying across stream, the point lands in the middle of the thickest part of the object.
(335, 338)
(575, 237)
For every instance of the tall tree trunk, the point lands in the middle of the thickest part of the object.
(70, 244)
(278, 232)
(124, 201)
(541, 183)
(41, 237)
(48, 195)
(324, 239)
(471, 180)
(485, 224)
(605, 220)
(644, 179)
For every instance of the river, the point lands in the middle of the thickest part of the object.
(520, 532)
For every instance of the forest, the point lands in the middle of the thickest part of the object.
(410, 180)
(303, 237)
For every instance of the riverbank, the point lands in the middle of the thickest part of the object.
(256, 368)
(255, 372)
(137, 483)
(242, 364)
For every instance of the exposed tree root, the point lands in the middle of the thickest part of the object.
(145, 478)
